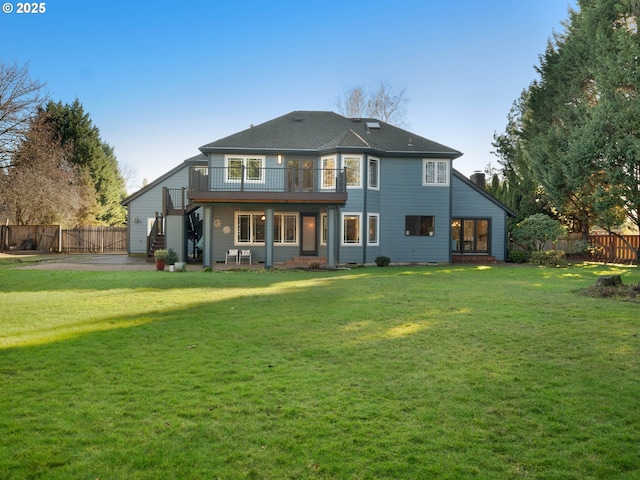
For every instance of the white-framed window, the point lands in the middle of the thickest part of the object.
(253, 168)
(250, 228)
(329, 172)
(373, 229)
(351, 229)
(354, 170)
(374, 173)
(323, 228)
(435, 172)
(285, 228)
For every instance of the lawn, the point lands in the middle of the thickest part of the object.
(374, 373)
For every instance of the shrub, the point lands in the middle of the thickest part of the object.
(580, 247)
(172, 257)
(314, 265)
(382, 261)
(550, 257)
(160, 254)
(517, 256)
(534, 231)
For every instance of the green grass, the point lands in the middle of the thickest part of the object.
(416, 373)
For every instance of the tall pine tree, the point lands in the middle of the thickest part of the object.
(75, 129)
(582, 117)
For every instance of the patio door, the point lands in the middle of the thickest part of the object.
(300, 175)
(309, 243)
(470, 235)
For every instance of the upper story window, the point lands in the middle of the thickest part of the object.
(354, 170)
(374, 173)
(247, 169)
(329, 172)
(435, 172)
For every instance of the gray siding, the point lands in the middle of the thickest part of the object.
(468, 203)
(402, 194)
(145, 207)
(224, 238)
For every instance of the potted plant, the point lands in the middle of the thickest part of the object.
(161, 258)
(172, 258)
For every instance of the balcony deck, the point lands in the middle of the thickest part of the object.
(266, 185)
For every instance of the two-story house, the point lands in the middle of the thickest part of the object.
(317, 185)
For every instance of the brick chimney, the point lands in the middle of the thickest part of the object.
(478, 178)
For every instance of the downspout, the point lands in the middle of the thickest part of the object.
(450, 210)
(365, 220)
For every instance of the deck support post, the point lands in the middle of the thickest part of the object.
(268, 238)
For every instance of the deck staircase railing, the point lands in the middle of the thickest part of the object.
(155, 240)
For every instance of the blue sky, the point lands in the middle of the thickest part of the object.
(161, 78)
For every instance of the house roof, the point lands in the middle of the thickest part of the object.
(482, 192)
(198, 159)
(325, 132)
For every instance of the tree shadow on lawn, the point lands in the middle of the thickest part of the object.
(66, 321)
(15, 280)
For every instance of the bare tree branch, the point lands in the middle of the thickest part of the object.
(352, 102)
(388, 104)
(41, 185)
(129, 173)
(383, 103)
(20, 98)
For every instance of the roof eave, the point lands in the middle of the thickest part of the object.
(464, 179)
(335, 149)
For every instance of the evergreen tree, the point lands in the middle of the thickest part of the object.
(75, 129)
(558, 107)
(518, 188)
(580, 131)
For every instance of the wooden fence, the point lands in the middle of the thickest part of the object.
(52, 238)
(614, 249)
(603, 247)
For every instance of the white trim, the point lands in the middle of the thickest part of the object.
(244, 159)
(377, 217)
(276, 241)
(324, 218)
(332, 184)
(342, 233)
(344, 164)
(377, 160)
(437, 163)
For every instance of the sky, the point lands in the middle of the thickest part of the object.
(161, 78)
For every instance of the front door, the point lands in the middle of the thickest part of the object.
(309, 244)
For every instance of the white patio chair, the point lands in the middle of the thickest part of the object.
(231, 253)
(244, 254)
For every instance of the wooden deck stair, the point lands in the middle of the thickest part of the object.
(157, 244)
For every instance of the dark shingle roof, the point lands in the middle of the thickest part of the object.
(320, 132)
